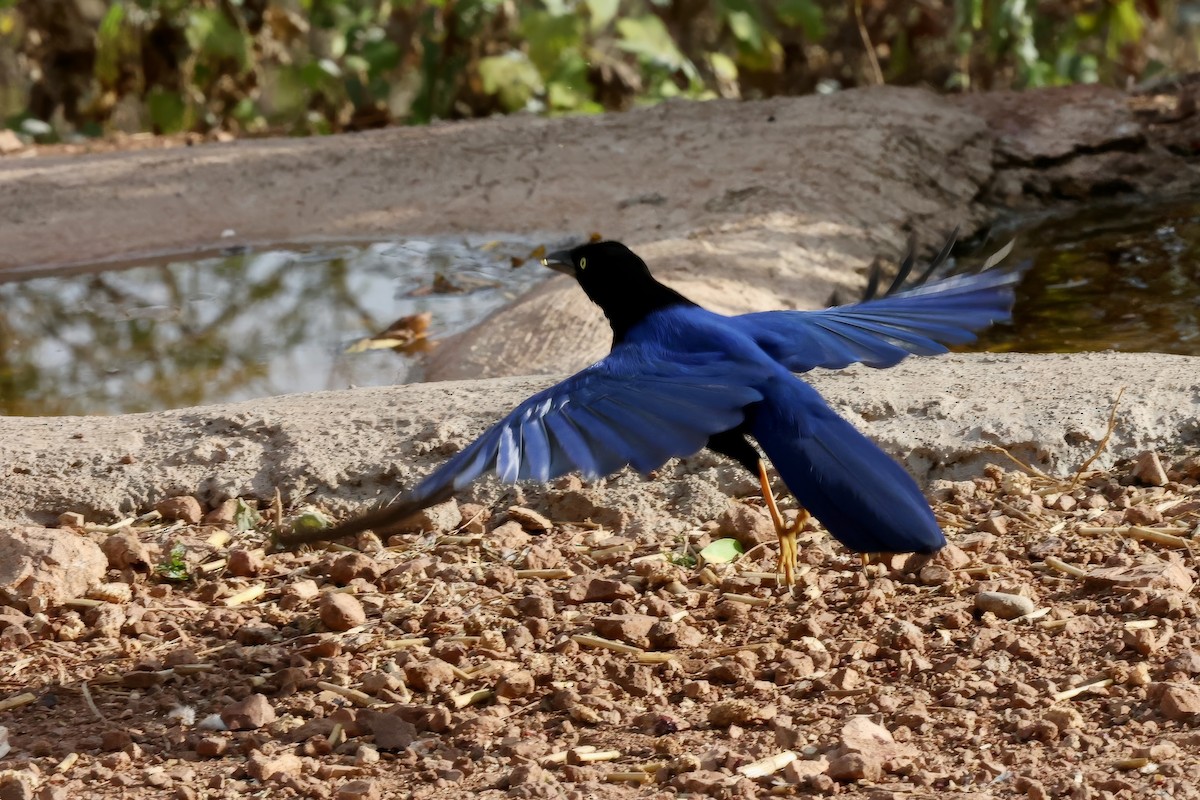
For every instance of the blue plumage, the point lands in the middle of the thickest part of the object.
(679, 378)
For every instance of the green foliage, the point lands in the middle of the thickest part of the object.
(318, 66)
(175, 568)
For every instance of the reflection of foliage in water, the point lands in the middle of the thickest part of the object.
(330, 65)
(231, 328)
(1117, 279)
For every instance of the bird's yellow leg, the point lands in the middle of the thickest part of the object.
(787, 536)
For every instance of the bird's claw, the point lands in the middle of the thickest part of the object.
(785, 568)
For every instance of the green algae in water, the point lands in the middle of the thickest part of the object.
(238, 326)
(1111, 279)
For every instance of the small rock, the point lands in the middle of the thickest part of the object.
(799, 770)
(1004, 605)
(934, 575)
(1142, 515)
(245, 563)
(442, 517)
(354, 565)
(48, 563)
(631, 628)
(516, 683)
(211, 746)
(667, 635)
(748, 525)
(605, 590)
(185, 509)
(474, 517)
(740, 712)
(529, 519)
(273, 768)
(536, 607)
(126, 551)
(71, 519)
(1148, 469)
(358, 790)
(341, 611)
(253, 712)
(952, 557)
(995, 525)
(855, 767)
(390, 731)
(428, 676)
(508, 536)
(223, 514)
(1180, 702)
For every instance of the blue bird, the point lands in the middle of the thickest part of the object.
(680, 378)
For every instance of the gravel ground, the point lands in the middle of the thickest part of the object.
(1050, 651)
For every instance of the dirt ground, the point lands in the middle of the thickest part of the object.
(1050, 651)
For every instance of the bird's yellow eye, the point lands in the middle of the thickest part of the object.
(583, 263)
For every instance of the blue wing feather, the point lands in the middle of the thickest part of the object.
(638, 406)
(880, 333)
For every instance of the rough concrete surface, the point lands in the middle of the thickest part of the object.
(937, 415)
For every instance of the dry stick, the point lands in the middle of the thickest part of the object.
(866, 39)
(1062, 566)
(768, 765)
(87, 698)
(1112, 423)
(1141, 533)
(353, 695)
(995, 448)
(1075, 691)
(245, 596)
(23, 699)
(584, 640)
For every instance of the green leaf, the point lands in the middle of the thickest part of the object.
(549, 39)
(168, 111)
(108, 45)
(511, 77)
(601, 13)
(246, 517)
(805, 14)
(310, 521)
(722, 551)
(175, 567)
(648, 38)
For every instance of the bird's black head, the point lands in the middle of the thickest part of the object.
(617, 280)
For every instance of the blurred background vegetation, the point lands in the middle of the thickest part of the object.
(249, 67)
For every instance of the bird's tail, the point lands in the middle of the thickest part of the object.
(864, 498)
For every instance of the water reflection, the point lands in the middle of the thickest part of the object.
(239, 326)
(1111, 279)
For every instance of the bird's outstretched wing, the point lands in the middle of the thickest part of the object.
(637, 406)
(880, 333)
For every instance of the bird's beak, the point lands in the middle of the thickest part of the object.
(560, 261)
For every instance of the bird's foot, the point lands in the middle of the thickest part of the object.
(788, 548)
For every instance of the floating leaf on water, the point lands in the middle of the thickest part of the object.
(595, 237)
(722, 551)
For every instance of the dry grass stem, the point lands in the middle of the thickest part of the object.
(767, 766)
(355, 696)
(1058, 565)
(585, 640)
(1075, 691)
(23, 699)
(250, 593)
